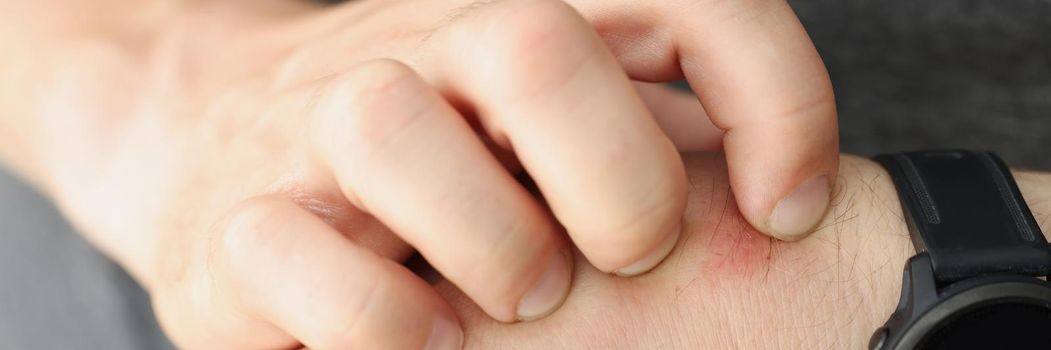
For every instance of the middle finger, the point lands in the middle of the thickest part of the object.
(543, 84)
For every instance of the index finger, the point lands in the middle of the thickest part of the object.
(759, 77)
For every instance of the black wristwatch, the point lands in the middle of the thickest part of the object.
(978, 280)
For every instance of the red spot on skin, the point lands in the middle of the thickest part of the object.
(732, 248)
(727, 246)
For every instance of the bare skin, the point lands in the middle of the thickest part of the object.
(726, 286)
(188, 143)
(264, 167)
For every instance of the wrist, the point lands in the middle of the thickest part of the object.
(980, 259)
(1036, 189)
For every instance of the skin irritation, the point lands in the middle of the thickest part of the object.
(735, 248)
(729, 247)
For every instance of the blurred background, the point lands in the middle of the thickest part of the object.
(930, 73)
(907, 74)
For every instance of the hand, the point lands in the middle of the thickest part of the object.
(263, 169)
(725, 286)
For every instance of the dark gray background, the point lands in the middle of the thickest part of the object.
(907, 74)
(939, 73)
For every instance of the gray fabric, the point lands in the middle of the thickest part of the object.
(907, 74)
(57, 292)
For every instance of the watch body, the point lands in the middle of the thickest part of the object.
(978, 278)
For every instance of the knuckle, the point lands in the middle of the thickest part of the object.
(198, 306)
(247, 233)
(538, 43)
(294, 66)
(535, 19)
(376, 75)
(371, 103)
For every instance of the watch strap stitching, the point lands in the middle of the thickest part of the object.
(919, 189)
(1008, 198)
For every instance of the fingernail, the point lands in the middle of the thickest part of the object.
(549, 291)
(796, 214)
(655, 257)
(445, 335)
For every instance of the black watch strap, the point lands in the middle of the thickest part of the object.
(964, 209)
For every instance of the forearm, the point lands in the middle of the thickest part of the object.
(727, 286)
